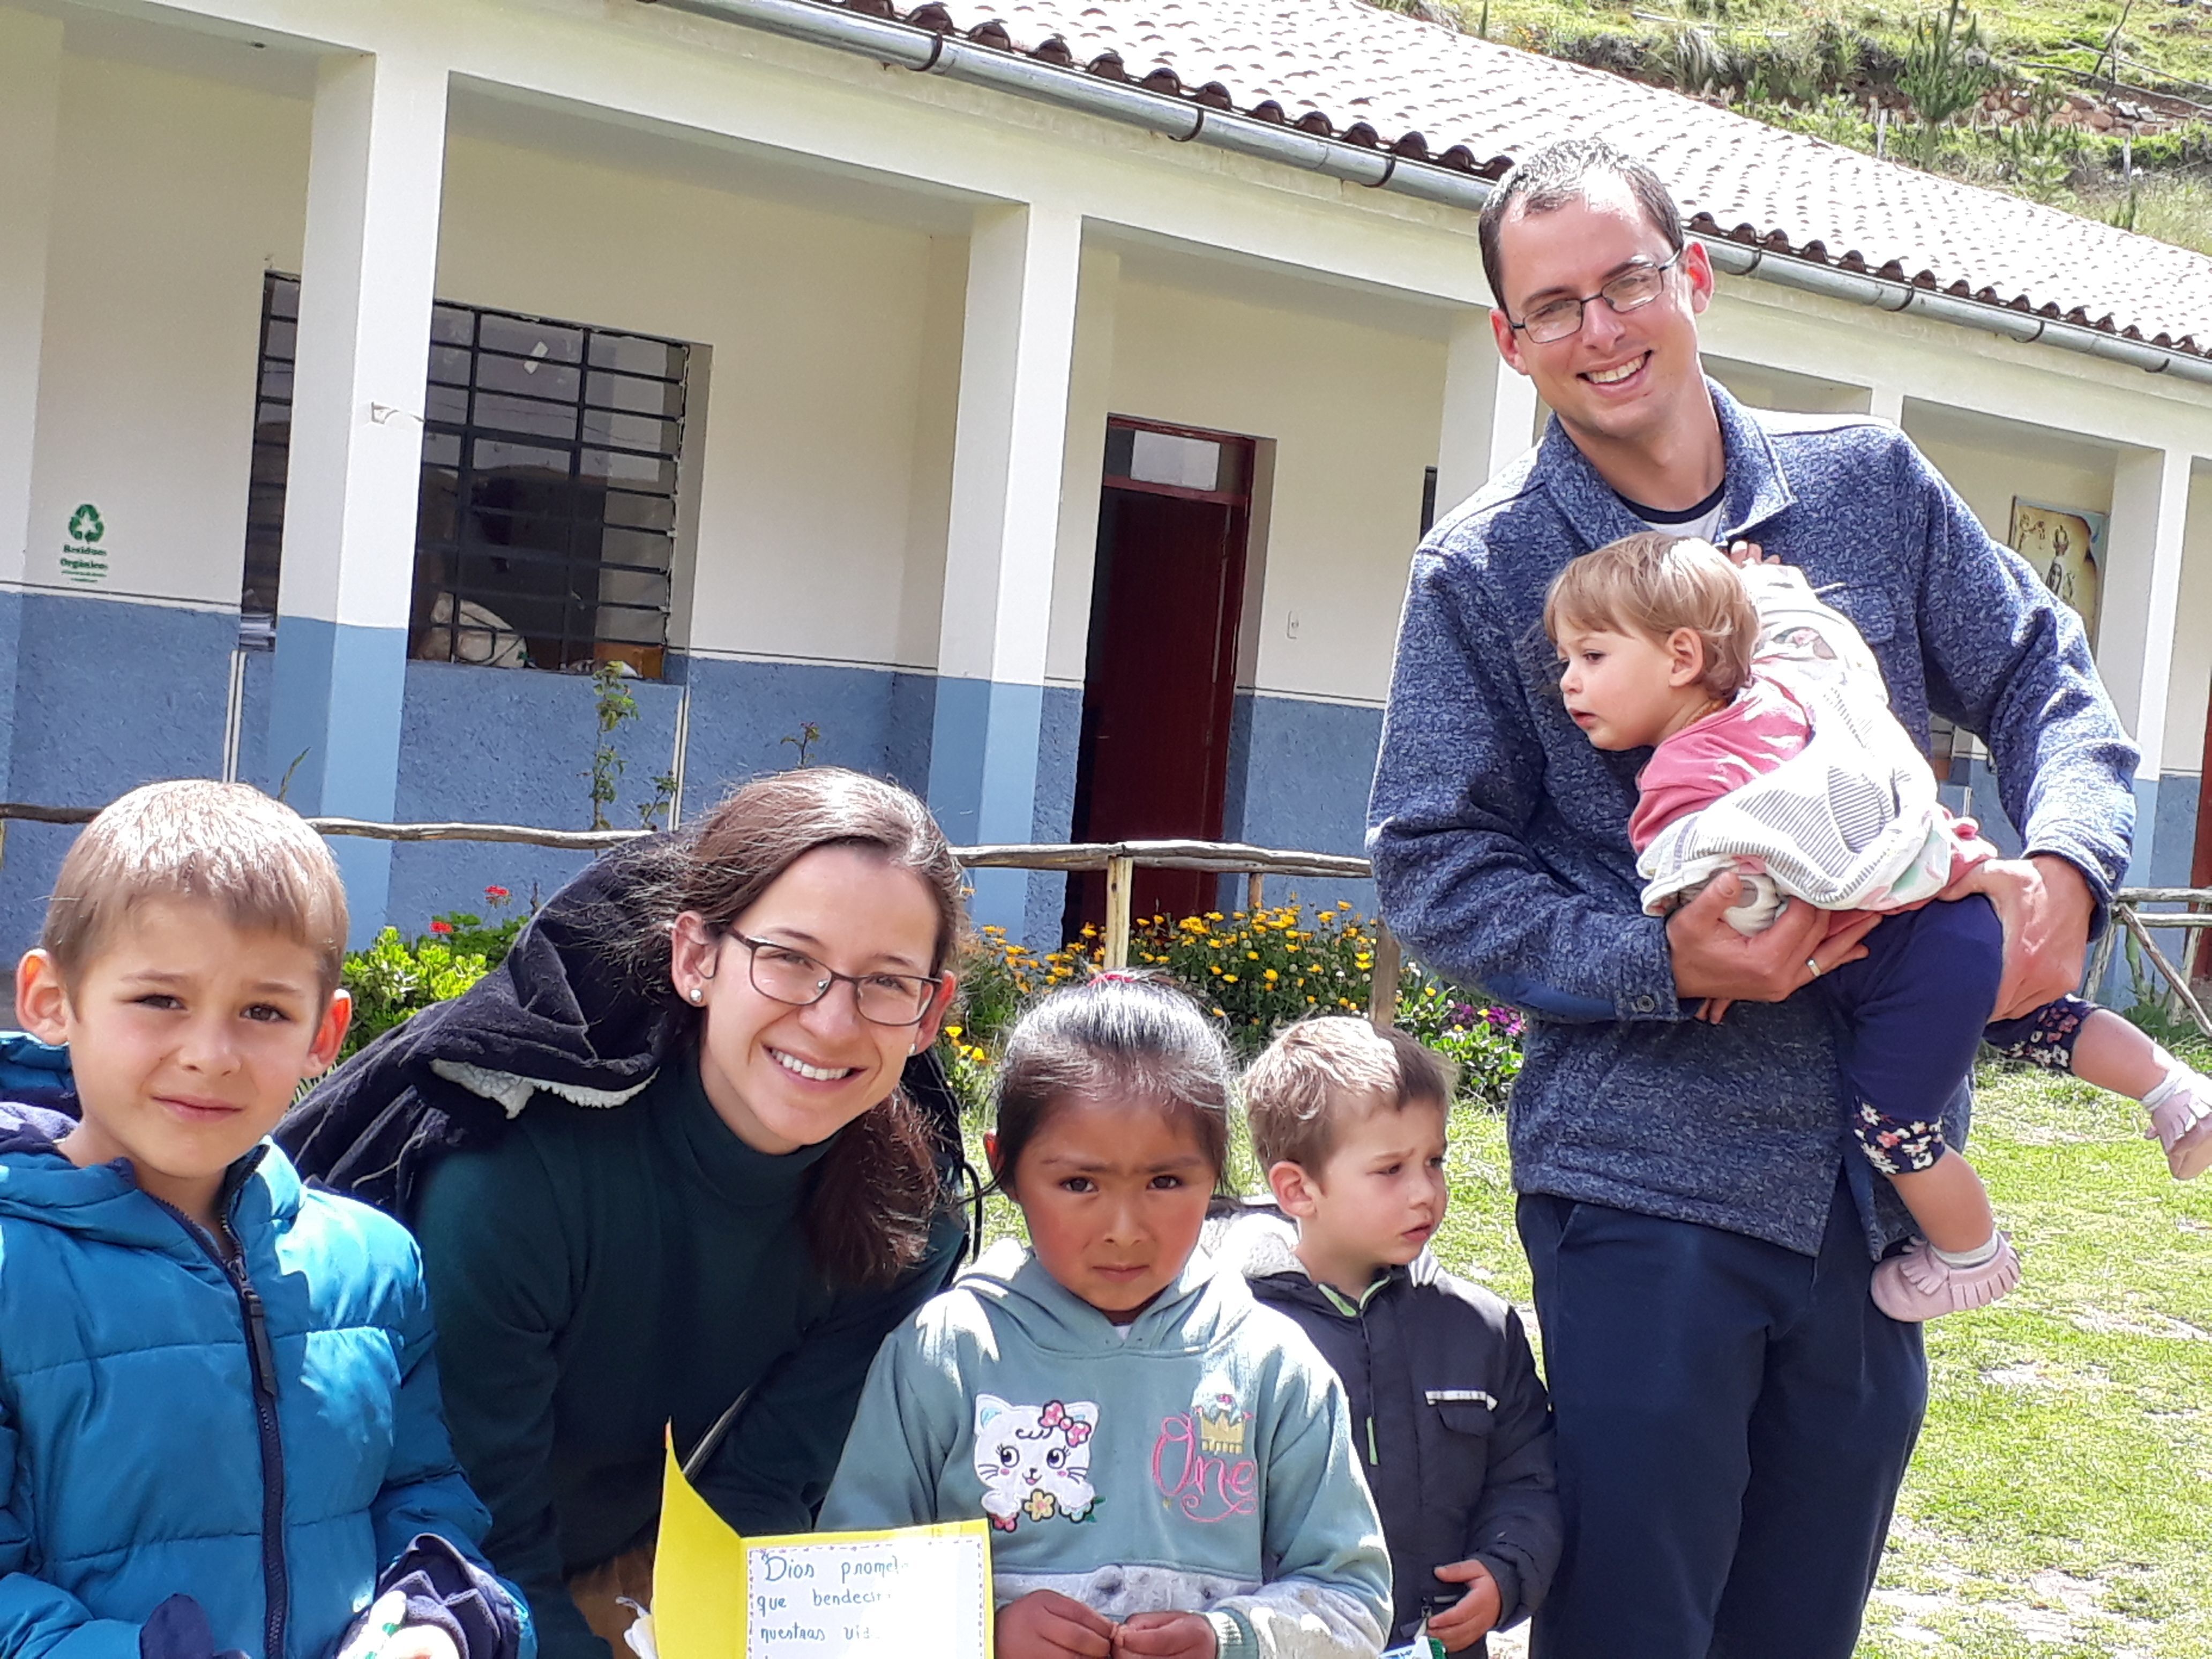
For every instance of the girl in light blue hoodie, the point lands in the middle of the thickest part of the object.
(1166, 1465)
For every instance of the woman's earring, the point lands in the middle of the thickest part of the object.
(698, 994)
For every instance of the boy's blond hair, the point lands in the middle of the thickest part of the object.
(224, 844)
(1311, 1080)
(1651, 584)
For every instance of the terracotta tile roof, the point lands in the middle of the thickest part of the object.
(1384, 79)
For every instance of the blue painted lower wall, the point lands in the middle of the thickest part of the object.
(107, 694)
(1299, 771)
(2164, 848)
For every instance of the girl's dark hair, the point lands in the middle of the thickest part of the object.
(1125, 1037)
(871, 1198)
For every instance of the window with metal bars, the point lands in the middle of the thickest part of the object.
(547, 522)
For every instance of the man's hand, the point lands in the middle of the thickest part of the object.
(1470, 1618)
(1164, 1636)
(1714, 962)
(2045, 905)
(1045, 1625)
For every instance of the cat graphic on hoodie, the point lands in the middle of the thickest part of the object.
(1035, 1460)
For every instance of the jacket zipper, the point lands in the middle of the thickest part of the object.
(261, 1358)
(1367, 1355)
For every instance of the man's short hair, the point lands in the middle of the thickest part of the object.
(1651, 584)
(225, 844)
(1546, 179)
(1319, 1073)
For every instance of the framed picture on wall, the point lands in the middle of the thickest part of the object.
(2066, 545)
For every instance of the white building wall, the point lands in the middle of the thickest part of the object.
(1988, 480)
(816, 326)
(173, 195)
(2190, 683)
(1353, 412)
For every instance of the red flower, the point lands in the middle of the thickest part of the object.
(438, 924)
(497, 895)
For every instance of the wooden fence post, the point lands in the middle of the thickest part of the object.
(1382, 994)
(2178, 980)
(1255, 891)
(1121, 874)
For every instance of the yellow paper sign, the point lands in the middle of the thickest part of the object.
(909, 1593)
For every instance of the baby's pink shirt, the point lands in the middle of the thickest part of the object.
(1762, 728)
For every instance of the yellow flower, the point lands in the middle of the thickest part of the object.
(953, 1031)
(1344, 904)
(1253, 955)
(1231, 978)
(1214, 915)
(1273, 975)
(1090, 930)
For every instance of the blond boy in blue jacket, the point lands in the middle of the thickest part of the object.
(219, 1417)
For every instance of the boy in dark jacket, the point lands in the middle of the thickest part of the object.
(1451, 1424)
(219, 1416)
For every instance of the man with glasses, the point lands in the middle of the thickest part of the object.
(1734, 1415)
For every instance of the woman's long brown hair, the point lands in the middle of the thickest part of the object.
(872, 1197)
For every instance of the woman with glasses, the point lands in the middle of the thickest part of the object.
(664, 1172)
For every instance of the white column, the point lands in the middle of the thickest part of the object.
(1886, 402)
(1490, 412)
(30, 120)
(375, 173)
(2142, 588)
(1009, 449)
(2137, 615)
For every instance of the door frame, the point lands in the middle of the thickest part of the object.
(1236, 600)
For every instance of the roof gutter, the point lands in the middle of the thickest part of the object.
(929, 52)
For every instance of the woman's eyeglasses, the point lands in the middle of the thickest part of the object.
(786, 974)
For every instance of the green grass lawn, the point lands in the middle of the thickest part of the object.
(2061, 1503)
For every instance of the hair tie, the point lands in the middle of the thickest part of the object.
(1116, 976)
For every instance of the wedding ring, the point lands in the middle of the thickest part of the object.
(1814, 963)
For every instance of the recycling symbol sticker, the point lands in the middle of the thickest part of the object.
(83, 560)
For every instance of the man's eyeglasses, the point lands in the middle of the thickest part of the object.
(1634, 289)
(789, 976)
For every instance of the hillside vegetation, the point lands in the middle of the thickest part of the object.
(2104, 109)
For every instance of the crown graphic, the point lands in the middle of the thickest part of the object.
(1221, 1430)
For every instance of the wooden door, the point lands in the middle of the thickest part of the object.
(1160, 684)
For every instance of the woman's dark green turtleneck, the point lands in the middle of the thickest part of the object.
(603, 1272)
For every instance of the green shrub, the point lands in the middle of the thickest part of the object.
(394, 980)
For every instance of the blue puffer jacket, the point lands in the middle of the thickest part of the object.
(157, 1410)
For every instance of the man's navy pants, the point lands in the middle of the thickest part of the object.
(1734, 1421)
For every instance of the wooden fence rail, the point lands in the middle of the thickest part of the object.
(1121, 859)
